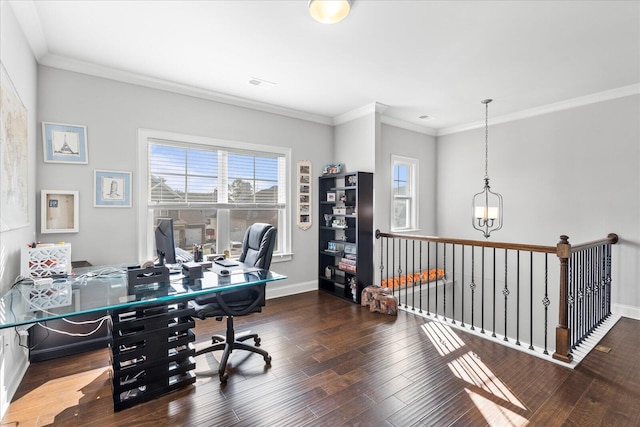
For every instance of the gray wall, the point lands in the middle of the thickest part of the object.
(354, 144)
(17, 59)
(407, 143)
(573, 172)
(113, 112)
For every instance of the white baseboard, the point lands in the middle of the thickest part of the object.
(13, 367)
(277, 290)
(626, 311)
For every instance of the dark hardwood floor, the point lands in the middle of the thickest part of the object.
(334, 364)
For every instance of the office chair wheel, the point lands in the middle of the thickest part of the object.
(256, 341)
(224, 377)
(267, 360)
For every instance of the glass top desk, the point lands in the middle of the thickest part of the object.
(152, 349)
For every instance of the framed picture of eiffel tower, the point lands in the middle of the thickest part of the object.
(64, 143)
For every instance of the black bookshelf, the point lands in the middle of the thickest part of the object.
(345, 254)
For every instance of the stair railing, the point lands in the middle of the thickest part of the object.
(508, 283)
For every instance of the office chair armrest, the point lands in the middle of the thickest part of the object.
(217, 306)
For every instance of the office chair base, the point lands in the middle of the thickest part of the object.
(229, 343)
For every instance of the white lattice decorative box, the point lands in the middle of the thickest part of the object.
(50, 294)
(46, 261)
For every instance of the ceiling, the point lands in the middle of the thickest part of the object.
(412, 58)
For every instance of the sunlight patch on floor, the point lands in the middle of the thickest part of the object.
(52, 397)
(494, 413)
(442, 337)
(470, 368)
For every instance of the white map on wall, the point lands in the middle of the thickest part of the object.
(14, 212)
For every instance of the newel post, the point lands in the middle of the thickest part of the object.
(563, 333)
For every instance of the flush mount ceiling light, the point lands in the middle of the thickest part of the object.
(329, 11)
(487, 205)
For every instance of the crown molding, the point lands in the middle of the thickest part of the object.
(91, 69)
(594, 98)
(408, 126)
(365, 110)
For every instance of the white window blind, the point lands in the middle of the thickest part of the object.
(189, 175)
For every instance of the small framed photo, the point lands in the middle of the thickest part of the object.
(112, 189)
(59, 211)
(64, 143)
(331, 196)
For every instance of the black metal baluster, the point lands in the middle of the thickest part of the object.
(580, 295)
(530, 300)
(444, 284)
(393, 268)
(453, 283)
(472, 285)
(592, 292)
(608, 280)
(600, 281)
(494, 307)
(482, 296)
(400, 274)
(413, 268)
(546, 302)
(382, 259)
(461, 288)
(571, 323)
(518, 297)
(505, 292)
(436, 282)
(420, 276)
(428, 284)
(406, 271)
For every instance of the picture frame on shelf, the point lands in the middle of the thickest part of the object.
(331, 196)
(112, 189)
(64, 143)
(332, 169)
(59, 211)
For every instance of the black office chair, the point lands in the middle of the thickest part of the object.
(257, 250)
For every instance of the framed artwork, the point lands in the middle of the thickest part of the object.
(304, 194)
(14, 179)
(59, 211)
(112, 189)
(64, 143)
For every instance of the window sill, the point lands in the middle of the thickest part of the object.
(282, 257)
(405, 230)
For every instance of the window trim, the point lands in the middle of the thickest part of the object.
(145, 237)
(413, 181)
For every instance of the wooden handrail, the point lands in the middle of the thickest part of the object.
(611, 238)
(467, 242)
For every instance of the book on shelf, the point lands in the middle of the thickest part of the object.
(349, 261)
(347, 267)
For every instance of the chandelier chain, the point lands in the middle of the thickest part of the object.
(486, 140)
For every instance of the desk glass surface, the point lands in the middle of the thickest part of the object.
(98, 289)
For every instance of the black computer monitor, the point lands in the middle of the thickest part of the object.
(165, 244)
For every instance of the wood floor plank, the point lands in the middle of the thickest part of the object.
(337, 364)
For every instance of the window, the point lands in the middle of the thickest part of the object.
(214, 190)
(404, 190)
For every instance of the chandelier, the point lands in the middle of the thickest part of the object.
(487, 205)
